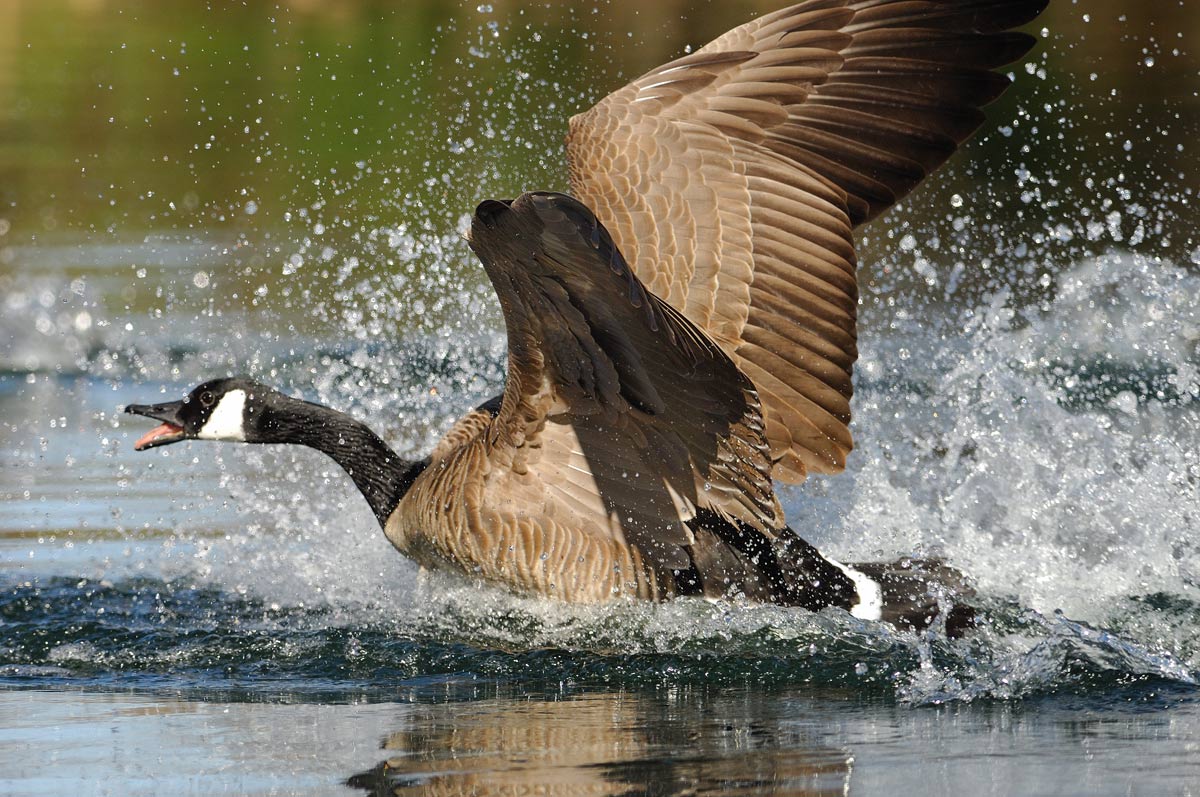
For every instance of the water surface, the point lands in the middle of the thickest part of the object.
(281, 190)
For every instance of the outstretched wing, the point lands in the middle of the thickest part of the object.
(732, 178)
(619, 416)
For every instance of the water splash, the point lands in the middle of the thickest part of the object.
(147, 632)
(1048, 449)
(1053, 460)
(1052, 452)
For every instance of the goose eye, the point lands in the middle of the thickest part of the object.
(207, 399)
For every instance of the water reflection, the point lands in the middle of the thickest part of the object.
(609, 743)
(517, 741)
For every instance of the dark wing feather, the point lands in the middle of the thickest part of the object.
(618, 412)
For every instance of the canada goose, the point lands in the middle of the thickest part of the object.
(682, 333)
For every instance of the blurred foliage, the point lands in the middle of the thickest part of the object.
(318, 126)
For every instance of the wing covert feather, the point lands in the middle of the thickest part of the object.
(732, 179)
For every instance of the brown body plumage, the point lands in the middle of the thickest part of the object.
(683, 333)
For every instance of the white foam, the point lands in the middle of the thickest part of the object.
(1051, 458)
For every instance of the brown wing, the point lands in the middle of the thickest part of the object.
(618, 416)
(731, 179)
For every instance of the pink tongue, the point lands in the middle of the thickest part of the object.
(155, 433)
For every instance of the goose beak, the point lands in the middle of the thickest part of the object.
(171, 430)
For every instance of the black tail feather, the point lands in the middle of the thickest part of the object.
(916, 592)
(732, 559)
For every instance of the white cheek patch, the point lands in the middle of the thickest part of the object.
(870, 596)
(225, 423)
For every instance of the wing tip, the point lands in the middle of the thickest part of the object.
(489, 211)
(1033, 9)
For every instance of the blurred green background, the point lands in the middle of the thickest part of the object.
(292, 138)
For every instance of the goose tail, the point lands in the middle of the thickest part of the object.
(912, 594)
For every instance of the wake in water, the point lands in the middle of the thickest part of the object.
(147, 633)
(1050, 452)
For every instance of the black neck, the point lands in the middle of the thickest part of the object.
(380, 475)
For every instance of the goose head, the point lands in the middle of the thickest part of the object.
(220, 409)
(244, 411)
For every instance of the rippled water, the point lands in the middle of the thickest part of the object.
(204, 618)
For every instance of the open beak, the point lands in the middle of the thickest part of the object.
(171, 430)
